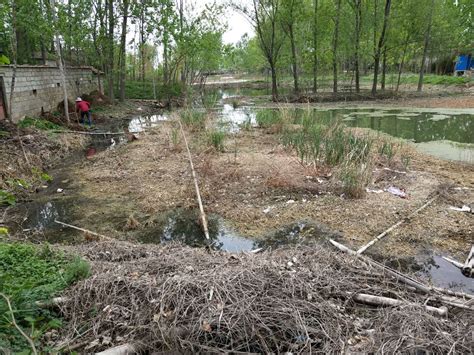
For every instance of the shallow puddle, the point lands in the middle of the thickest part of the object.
(141, 123)
(446, 275)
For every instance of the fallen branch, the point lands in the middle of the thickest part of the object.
(385, 301)
(196, 186)
(28, 339)
(383, 234)
(83, 230)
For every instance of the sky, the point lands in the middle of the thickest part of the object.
(238, 25)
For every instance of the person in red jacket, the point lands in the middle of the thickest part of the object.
(84, 108)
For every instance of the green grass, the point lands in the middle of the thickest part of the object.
(216, 139)
(7, 198)
(38, 123)
(267, 118)
(29, 273)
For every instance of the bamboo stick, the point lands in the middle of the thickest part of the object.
(383, 234)
(196, 186)
(82, 230)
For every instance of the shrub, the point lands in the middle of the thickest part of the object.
(216, 140)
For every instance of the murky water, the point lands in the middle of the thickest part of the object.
(446, 275)
(447, 134)
(141, 123)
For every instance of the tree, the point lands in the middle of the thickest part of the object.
(123, 38)
(335, 44)
(264, 16)
(288, 22)
(426, 44)
(381, 44)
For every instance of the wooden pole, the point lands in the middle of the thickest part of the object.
(196, 186)
(383, 234)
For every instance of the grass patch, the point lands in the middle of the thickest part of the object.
(216, 139)
(7, 198)
(194, 119)
(38, 123)
(28, 274)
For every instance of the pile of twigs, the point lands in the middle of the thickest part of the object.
(289, 300)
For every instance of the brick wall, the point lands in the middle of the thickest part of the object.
(39, 88)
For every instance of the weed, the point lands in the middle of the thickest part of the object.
(354, 179)
(194, 119)
(175, 139)
(216, 139)
(29, 274)
(405, 159)
(3, 231)
(247, 124)
(267, 118)
(209, 100)
(7, 198)
(38, 123)
(387, 149)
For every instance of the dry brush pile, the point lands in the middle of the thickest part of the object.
(289, 300)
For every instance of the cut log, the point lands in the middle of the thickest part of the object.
(385, 301)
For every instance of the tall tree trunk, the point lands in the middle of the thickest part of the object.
(142, 43)
(315, 47)
(380, 45)
(358, 25)
(123, 50)
(384, 69)
(166, 74)
(426, 44)
(274, 83)
(294, 59)
(402, 62)
(334, 45)
(60, 59)
(111, 50)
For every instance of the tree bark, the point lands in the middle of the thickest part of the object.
(60, 60)
(358, 25)
(111, 50)
(294, 59)
(334, 45)
(123, 50)
(384, 69)
(315, 47)
(425, 48)
(380, 45)
(402, 62)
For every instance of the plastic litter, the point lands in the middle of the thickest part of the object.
(397, 192)
(464, 208)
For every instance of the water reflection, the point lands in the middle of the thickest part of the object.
(141, 123)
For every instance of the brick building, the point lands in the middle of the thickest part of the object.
(38, 88)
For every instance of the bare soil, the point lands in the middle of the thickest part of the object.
(257, 187)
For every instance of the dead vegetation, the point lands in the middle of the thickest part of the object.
(295, 300)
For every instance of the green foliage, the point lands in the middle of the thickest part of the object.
(7, 198)
(28, 274)
(144, 90)
(38, 123)
(216, 139)
(194, 119)
(267, 118)
(41, 175)
(3, 231)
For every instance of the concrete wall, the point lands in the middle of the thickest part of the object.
(39, 88)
